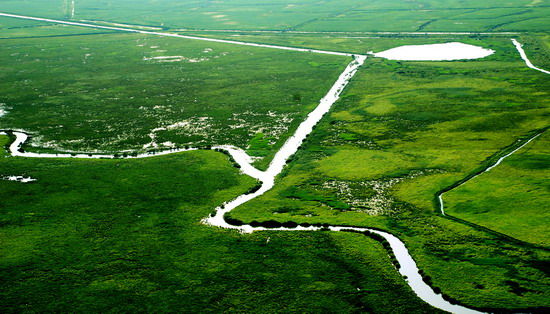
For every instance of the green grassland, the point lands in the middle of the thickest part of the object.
(402, 132)
(512, 197)
(308, 15)
(102, 93)
(125, 235)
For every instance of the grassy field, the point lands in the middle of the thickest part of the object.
(512, 197)
(306, 15)
(110, 92)
(403, 131)
(125, 235)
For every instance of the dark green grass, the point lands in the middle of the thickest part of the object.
(112, 236)
(401, 132)
(97, 93)
(125, 236)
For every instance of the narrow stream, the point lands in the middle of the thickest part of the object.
(519, 47)
(408, 266)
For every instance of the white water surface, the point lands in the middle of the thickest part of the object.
(3, 110)
(21, 137)
(288, 149)
(21, 179)
(435, 52)
(519, 47)
(408, 266)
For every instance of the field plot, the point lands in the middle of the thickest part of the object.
(124, 92)
(125, 235)
(403, 131)
(306, 15)
(512, 197)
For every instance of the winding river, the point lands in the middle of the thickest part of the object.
(407, 264)
(407, 268)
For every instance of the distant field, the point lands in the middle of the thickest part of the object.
(404, 130)
(110, 92)
(512, 198)
(308, 15)
(538, 49)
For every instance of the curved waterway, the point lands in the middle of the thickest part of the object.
(408, 268)
(407, 264)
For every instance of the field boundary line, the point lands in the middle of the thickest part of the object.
(339, 32)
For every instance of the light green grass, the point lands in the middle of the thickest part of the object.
(511, 198)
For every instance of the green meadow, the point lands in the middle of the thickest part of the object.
(24, 29)
(125, 235)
